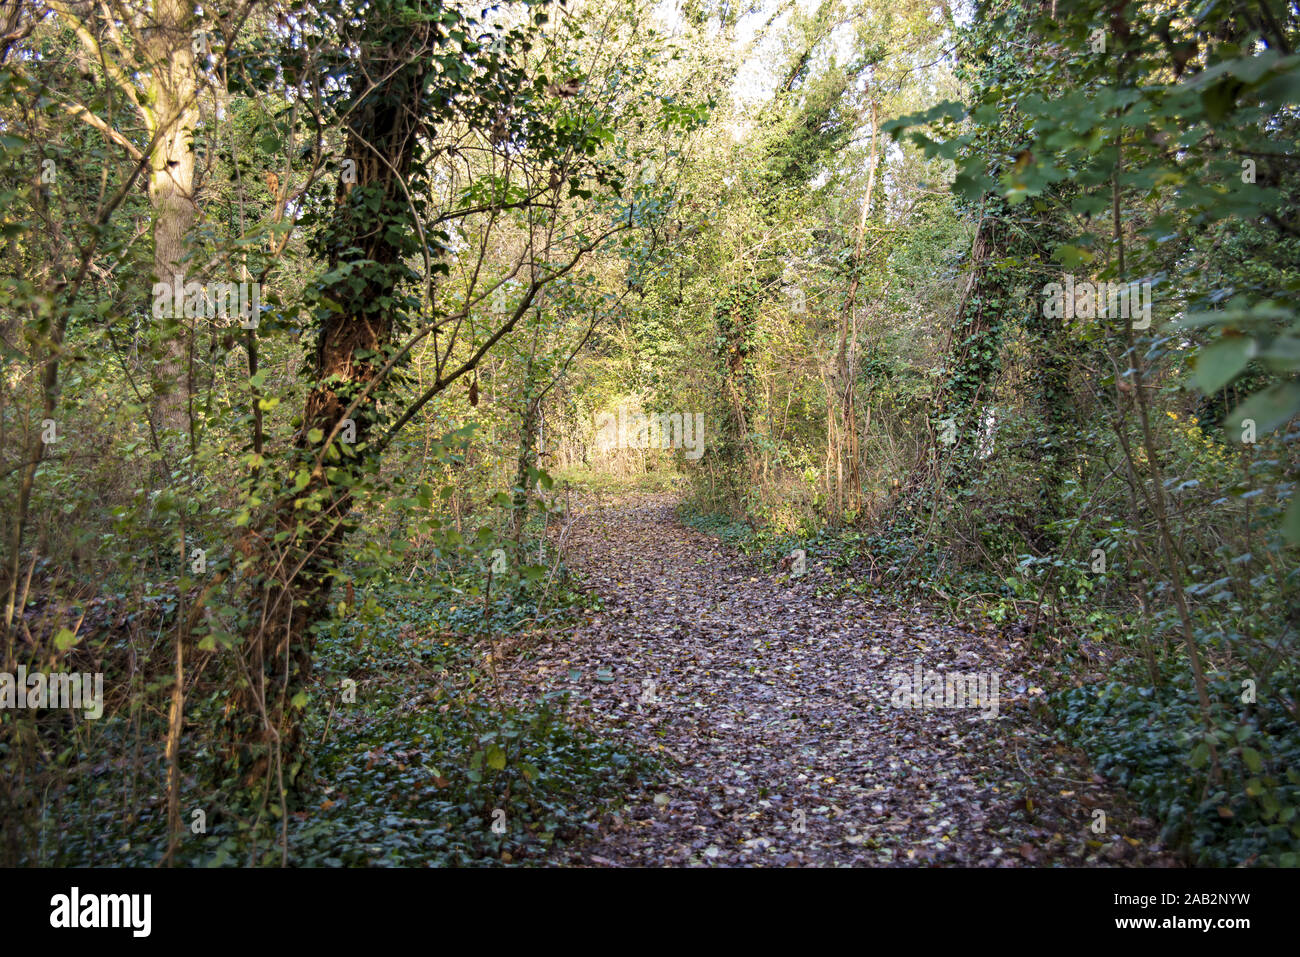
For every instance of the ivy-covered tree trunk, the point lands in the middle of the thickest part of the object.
(975, 352)
(842, 438)
(734, 317)
(1056, 351)
(359, 305)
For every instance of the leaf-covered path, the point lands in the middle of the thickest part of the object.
(769, 707)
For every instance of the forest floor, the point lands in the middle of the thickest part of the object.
(766, 699)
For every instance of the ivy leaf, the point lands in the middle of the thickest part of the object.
(1252, 759)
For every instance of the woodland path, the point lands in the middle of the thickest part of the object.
(772, 710)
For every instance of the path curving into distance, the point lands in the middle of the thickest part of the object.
(771, 710)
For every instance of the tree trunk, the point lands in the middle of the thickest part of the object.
(371, 232)
(171, 117)
(527, 460)
(842, 432)
(975, 353)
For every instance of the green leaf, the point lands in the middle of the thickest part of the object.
(947, 109)
(1291, 520)
(1073, 256)
(1221, 362)
(65, 639)
(1252, 759)
(1269, 409)
(1200, 755)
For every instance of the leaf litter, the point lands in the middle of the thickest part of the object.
(768, 705)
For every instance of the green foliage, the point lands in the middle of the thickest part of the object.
(480, 229)
(1152, 741)
(407, 773)
(418, 782)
